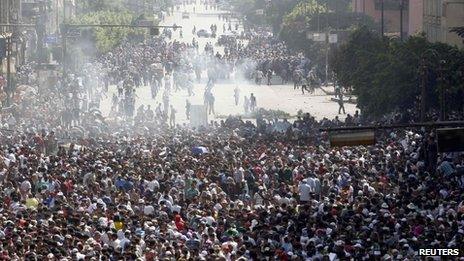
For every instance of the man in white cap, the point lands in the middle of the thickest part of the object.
(304, 191)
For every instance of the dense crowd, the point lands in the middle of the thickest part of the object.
(227, 193)
(76, 186)
(264, 57)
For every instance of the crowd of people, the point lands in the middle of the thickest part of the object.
(75, 186)
(229, 192)
(264, 57)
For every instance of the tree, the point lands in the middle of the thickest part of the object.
(107, 38)
(276, 10)
(385, 73)
(88, 6)
(312, 16)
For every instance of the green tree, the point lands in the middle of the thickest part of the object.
(276, 10)
(385, 73)
(314, 16)
(108, 38)
(89, 6)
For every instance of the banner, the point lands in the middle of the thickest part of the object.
(363, 138)
(198, 116)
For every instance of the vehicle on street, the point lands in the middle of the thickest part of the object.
(185, 15)
(203, 33)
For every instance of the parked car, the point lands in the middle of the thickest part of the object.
(203, 33)
(185, 15)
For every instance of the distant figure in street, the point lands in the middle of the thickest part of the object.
(154, 89)
(304, 86)
(172, 118)
(188, 106)
(236, 95)
(211, 103)
(269, 76)
(166, 102)
(253, 102)
(246, 104)
(337, 91)
(258, 77)
(120, 88)
(341, 105)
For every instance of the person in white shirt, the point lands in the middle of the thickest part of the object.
(304, 190)
(315, 184)
(152, 185)
(148, 210)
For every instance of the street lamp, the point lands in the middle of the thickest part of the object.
(402, 4)
(443, 82)
(427, 57)
(382, 16)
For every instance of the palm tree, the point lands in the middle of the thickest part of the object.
(459, 31)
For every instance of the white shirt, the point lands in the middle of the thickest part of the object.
(148, 210)
(304, 190)
(209, 220)
(311, 183)
(152, 185)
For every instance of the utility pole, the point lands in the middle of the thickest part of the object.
(401, 19)
(327, 58)
(8, 58)
(9, 88)
(382, 16)
(64, 30)
(424, 73)
(443, 82)
(40, 30)
(327, 45)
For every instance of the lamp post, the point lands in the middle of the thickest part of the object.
(63, 32)
(9, 86)
(427, 58)
(423, 70)
(443, 82)
(382, 17)
(401, 19)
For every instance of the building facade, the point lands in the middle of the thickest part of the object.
(439, 17)
(433, 17)
(416, 17)
(10, 13)
(392, 12)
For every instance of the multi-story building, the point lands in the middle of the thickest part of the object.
(50, 11)
(393, 12)
(433, 17)
(440, 16)
(10, 13)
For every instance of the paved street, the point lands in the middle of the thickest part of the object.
(277, 97)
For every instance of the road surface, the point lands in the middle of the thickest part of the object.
(276, 97)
